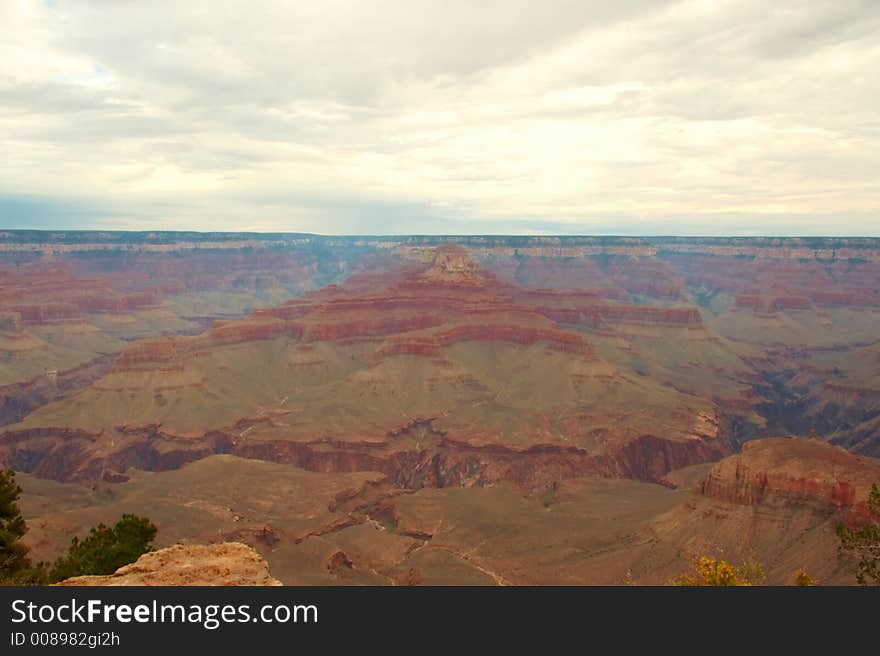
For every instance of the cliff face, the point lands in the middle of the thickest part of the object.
(778, 502)
(227, 563)
(807, 471)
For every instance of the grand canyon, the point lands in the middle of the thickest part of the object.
(447, 410)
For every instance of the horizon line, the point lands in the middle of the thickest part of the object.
(435, 235)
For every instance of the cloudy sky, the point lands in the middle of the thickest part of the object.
(421, 116)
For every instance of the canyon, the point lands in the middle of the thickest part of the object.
(449, 406)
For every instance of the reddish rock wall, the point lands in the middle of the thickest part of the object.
(793, 470)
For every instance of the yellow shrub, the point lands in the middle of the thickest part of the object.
(802, 578)
(711, 571)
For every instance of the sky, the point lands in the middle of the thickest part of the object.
(680, 117)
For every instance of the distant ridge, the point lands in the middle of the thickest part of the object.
(12, 236)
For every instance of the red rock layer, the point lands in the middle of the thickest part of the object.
(791, 470)
(148, 352)
(167, 353)
(445, 299)
(557, 339)
(423, 346)
(368, 327)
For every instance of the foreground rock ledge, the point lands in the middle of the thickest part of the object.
(228, 563)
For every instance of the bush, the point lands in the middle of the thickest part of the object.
(803, 579)
(710, 572)
(104, 550)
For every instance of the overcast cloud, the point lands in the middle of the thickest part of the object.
(417, 116)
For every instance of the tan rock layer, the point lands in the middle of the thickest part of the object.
(227, 563)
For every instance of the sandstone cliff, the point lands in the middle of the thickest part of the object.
(227, 563)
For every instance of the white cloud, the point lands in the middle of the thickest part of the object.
(506, 115)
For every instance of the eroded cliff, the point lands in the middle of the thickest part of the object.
(227, 563)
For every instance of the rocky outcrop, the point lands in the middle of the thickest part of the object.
(451, 264)
(227, 563)
(778, 503)
(791, 470)
(160, 353)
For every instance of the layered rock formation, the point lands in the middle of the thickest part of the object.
(227, 563)
(527, 364)
(805, 471)
(436, 373)
(448, 291)
(778, 502)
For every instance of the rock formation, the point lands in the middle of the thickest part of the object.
(454, 422)
(778, 502)
(806, 471)
(528, 364)
(227, 563)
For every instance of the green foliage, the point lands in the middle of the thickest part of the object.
(14, 560)
(104, 549)
(864, 542)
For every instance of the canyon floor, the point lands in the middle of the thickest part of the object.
(476, 410)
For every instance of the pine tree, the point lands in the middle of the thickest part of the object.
(13, 552)
(105, 549)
